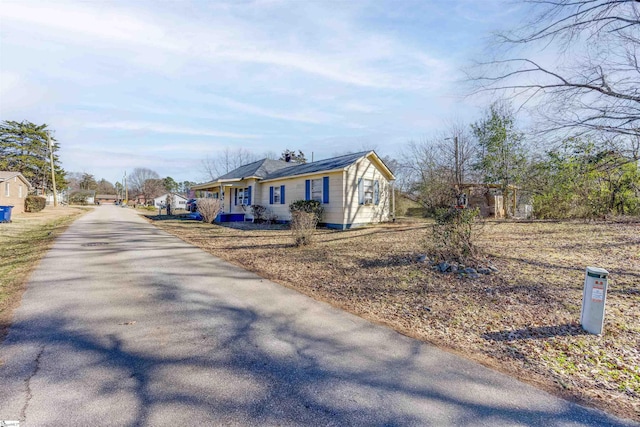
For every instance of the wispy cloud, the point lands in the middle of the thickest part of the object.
(177, 80)
(163, 128)
(307, 116)
(358, 107)
(354, 56)
(85, 22)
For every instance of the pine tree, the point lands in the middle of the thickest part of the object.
(24, 148)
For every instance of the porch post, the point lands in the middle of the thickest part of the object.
(393, 199)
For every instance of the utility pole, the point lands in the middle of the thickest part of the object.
(457, 156)
(457, 170)
(53, 173)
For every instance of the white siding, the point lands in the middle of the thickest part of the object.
(295, 190)
(354, 212)
(178, 201)
(343, 207)
(229, 198)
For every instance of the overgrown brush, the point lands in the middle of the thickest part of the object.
(303, 226)
(453, 237)
(259, 213)
(209, 208)
(309, 206)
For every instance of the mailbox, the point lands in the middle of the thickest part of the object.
(594, 297)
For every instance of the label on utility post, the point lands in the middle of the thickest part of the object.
(597, 294)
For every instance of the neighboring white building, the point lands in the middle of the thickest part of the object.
(177, 202)
(354, 189)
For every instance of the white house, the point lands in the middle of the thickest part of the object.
(177, 202)
(354, 189)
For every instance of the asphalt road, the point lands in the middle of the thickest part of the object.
(123, 325)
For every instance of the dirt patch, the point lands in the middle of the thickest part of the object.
(522, 320)
(23, 242)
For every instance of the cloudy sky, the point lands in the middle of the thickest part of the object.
(162, 84)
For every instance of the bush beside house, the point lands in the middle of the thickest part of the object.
(34, 203)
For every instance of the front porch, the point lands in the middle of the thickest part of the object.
(232, 217)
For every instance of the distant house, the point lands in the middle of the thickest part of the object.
(488, 198)
(354, 189)
(139, 199)
(14, 188)
(106, 198)
(178, 201)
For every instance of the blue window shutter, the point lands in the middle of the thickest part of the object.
(236, 200)
(376, 192)
(249, 196)
(270, 195)
(282, 194)
(307, 189)
(360, 191)
(325, 189)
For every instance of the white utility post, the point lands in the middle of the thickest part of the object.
(53, 173)
(126, 190)
(594, 297)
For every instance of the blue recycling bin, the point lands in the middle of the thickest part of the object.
(5, 213)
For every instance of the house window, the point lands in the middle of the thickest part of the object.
(20, 191)
(316, 190)
(276, 195)
(368, 191)
(6, 189)
(243, 196)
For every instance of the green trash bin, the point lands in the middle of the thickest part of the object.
(5, 213)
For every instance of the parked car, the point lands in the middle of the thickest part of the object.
(191, 205)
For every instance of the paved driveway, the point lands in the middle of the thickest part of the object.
(123, 324)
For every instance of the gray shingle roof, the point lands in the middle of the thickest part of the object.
(333, 163)
(261, 169)
(274, 169)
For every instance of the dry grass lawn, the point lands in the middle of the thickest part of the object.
(23, 242)
(523, 320)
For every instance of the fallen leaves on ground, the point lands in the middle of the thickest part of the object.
(523, 320)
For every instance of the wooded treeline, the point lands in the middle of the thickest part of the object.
(142, 183)
(24, 148)
(573, 72)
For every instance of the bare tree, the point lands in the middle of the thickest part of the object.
(73, 180)
(152, 188)
(424, 178)
(213, 166)
(105, 187)
(591, 85)
(457, 151)
(271, 155)
(146, 182)
(431, 170)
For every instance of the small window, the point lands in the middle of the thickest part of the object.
(368, 191)
(20, 191)
(316, 189)
(276, 195)
(6, 189)
(243, 196)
